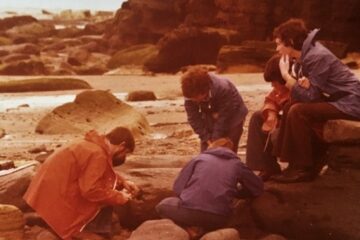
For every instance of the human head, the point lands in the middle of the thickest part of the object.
(272, 71)
(222, 142)
(195, 84)
(290, 35)
(121, 141)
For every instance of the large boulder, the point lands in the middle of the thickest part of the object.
(24, 67)
(134, 55)
(250, 53)
(186, 46)
(141, 95)
(323, 209)
(98, 110)
(11, 223)
(14, 183)
(10, 22)
(222, 234)
(163, 229)
(34, 29)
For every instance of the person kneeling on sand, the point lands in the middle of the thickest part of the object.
(214, 107)
(207, 186)
(77, 184)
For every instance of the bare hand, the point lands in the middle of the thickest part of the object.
(131, 188)
(126, 196)
(284, 65)
(270, 123)
(304, 82)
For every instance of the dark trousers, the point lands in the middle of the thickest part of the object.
(171, 208)
(298, 142)
(234, 133)
(257, 156)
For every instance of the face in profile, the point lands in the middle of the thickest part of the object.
(281, 48)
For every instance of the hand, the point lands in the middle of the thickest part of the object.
(125, 196)
(304, 82)
(284, 65)
(270, 123)
(131, 188)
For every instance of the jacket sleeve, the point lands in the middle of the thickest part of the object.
(183, 178)
(270, 104)
(195, 119)
(226, 111)
(93, 186)
(252, 185)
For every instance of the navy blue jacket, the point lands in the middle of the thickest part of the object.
(224, 100)
(209, 181)
(328, 76)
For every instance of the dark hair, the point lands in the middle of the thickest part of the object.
(121, 134)
(292, 33)
(272, 70)
(195, 81)
(222, 142)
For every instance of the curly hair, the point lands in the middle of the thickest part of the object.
(195, 81)
(121, 134)
(272, 70)
(292, 33)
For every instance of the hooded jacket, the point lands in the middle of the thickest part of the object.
(328, 77)
(209, 182)
(73, 183)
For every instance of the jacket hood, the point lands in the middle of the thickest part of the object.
(95, 137)
(221, 152)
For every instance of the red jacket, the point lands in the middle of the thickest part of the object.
(275, 100)
(73, 183)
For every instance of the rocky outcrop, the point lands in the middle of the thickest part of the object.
(11, 222)
(11, 22)
(222, 234)
(98, 110)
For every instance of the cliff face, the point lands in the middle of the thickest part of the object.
(147, 21)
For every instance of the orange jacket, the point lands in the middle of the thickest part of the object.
(275, 100)
(73, 183)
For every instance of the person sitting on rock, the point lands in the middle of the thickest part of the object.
(263, 124)
(78, 180)
(214, 107)
(327, 90)
(207, 186)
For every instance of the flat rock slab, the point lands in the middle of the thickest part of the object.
(342, 131)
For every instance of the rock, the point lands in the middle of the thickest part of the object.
(273, 237)
(2, 133)
(15, 57)
(163, 229)
(186, 46)
(5, 41)
(155, 184)
(13, 185)
(249, 53)
(38, 149)
(135, 96)
(93, 110)
(339, 49)
(352, 65)
(78, 56)
(10, 22)
(46, 235)
(24, 67)
(34, 29)
(7, 164)
(134, 55)
(43, 84)
(222, 234)
(11, 222)
(307, 209)
(155, 161)
(342, 131)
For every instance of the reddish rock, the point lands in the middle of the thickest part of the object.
(25, 67)
(10, 22)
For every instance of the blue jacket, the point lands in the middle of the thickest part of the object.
(224, 100)
(328, 77)
(209, 181)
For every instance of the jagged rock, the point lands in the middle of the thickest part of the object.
(93, 110)
(141, 96)
(43, 84)
(186, 46)
(11, 222)
(222, 234)
(163, 229)
(248, 53)
(134, 55)
(14, 183)
(10, 22)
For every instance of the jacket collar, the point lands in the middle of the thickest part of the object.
(309, 42)
(95, 137)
